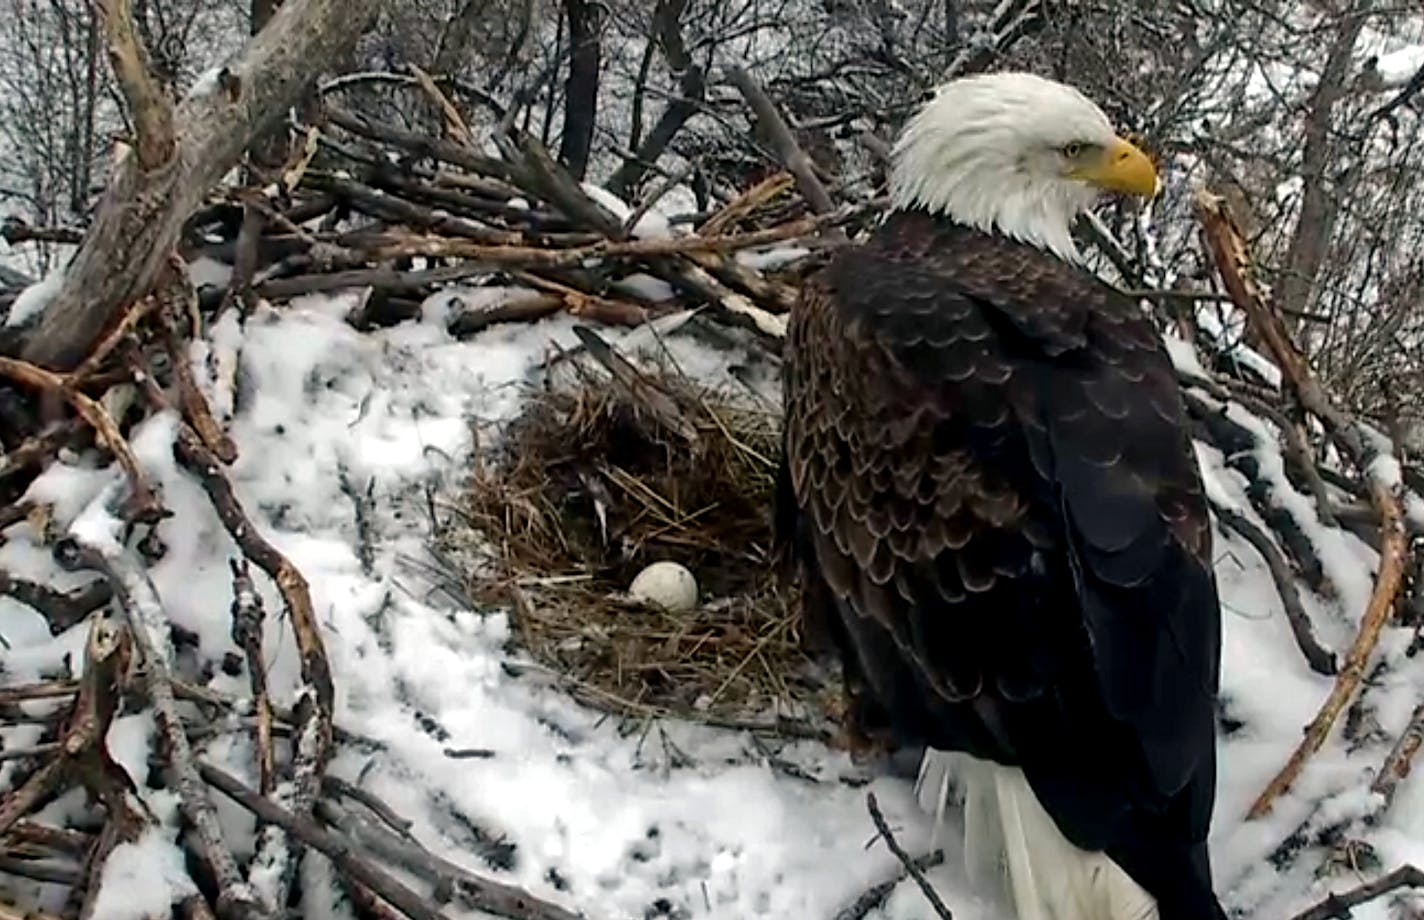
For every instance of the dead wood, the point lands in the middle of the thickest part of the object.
(96, 547)
(141, 216)
(60, 609)
(1340, 906)
(337, 847)
(1320, 660)
(912, 869)
(1399, 762)
(1235, 267)
(149, 106)
(142, 504)
(247, 617)
(471, 890)
(791, 153)
(196, 411)
(873, 898)
(313, 718)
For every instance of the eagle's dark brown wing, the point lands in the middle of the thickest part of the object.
(992, 484)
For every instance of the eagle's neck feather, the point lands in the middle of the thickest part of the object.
(994, 200)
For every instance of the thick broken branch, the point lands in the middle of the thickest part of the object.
(141, 216)
(1234, 265)
(796, 159)
(149, 106)
(95, 547)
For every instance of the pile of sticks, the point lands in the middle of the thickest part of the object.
(398, 216)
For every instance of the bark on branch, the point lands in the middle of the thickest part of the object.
(1233, 263)
(141, 215)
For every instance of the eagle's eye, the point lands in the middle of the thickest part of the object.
(1073, 151)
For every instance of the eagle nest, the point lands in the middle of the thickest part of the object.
(606, 474)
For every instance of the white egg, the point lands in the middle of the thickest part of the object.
(667, 585)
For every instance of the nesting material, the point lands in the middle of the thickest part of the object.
(626, 522)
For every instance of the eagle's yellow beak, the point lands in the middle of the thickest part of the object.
(1122, 167)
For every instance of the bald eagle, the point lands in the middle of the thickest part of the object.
(997, 515)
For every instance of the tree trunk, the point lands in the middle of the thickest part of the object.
(1318, 203)
(581, 88)
(142, 212)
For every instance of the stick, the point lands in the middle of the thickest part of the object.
(196, 411)
(747, 202)
(1337, 906)
(97, 549)
(247, 619)
(911, 868)
(1233, 264)
(338, 848)
(1397, 765)
(142, 504)
(577, 255)
(316, 670)
(796, 159)
(873, 897)
(60, 610)
(476, 892)
(1320, 660)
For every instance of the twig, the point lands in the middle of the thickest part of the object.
(61, 610)
(313, 745)
(873, 897)
(747, 202)
(142, 504)
(95, 547)
(1320, 660)
(474, 891)
(247, 620)
(544, 257)
(336, 847)
(195, 406)
(1401, 757)
(911, 868)
(1338, 906)
(796, 159)
(316, 669)
(1233, 264)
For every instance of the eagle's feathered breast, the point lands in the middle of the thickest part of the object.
(987, 453)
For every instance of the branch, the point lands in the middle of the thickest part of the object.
(150, 107)
(481, 894)
(1233, 263)
(96, 547)
(60, 610)
(1401, 757)
(911, 868)
(1338, 906)
(316, 669)
(1320, 660)
(142, 504)
(141, 216)
(796, 159)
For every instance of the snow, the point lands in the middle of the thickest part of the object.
(141, 879)
(652, 224)
(33, 299)
(1398, 66)
(698, 821)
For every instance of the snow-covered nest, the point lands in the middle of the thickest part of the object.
(352, 445)
(597, 479)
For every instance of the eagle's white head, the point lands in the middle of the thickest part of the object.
(1017, 154)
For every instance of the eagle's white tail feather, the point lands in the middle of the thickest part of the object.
(1011, 843)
